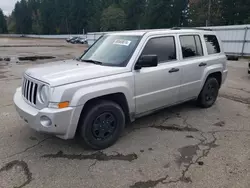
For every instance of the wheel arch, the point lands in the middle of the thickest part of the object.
(118, 98)
(217, 76)
(216, 73)
(212, 71)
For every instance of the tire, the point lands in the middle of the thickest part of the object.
(102, 125)
(209, 93)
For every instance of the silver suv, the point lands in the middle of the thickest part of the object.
(121, 77)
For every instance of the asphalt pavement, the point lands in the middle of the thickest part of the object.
(179, 147)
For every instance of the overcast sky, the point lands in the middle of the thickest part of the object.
(7, 6)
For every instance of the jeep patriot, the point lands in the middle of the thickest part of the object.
(121, 77)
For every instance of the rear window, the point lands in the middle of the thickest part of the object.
(191, 46)
(212, 43)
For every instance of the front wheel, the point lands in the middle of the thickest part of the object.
(209, 93)
(102, 124)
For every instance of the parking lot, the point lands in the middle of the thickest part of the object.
(179, 147)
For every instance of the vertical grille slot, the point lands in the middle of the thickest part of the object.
(24, 87)
(29, 91)
(35, 92)
(24, 80)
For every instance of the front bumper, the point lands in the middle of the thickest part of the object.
(64, 121)
(224, 76)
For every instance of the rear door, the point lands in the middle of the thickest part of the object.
(192, 65)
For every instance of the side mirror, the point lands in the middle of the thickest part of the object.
(147, 61)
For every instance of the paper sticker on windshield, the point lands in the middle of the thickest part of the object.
(122, 42)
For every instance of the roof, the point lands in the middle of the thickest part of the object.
(158, 31)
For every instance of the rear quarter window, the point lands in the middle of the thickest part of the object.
(212, 44)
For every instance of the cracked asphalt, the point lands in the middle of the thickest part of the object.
(179, 147)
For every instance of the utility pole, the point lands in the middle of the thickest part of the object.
(209, 13)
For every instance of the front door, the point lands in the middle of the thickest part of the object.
(156, 87)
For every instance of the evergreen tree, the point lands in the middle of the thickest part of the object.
(135, 11)
(179, 13)
(23, 17)
(72, 16)
(199, 13)
(113, 19)
(159, 14)
(48, 16)
(235, 12)
(34, 6)
(3, 23)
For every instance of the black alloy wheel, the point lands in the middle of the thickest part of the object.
(104, 126)
(101, 124)
(209, 93)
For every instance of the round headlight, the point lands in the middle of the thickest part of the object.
(44, 93)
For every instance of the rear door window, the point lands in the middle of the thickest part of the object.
(163, 47)
(191, 46)
(212, 44)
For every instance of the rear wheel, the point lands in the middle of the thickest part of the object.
(102, 125)
(209, 93)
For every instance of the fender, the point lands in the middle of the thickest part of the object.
(209, 70)
(83, 95)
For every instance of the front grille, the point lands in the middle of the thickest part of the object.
(29, 90)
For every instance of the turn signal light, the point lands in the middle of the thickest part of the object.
(63, 104)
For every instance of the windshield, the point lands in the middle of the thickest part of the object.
(112, 50)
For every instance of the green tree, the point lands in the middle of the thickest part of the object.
(72, 16)
(23, 17)
(179, 13)
(93, 15)
(199, 10)
(113, 19)
(3, 23)
(48, 16)
(34, 6)
(135, 11)
(11, 24)
(78, 15)
(158, 14)
(94, 10)
(235, 12)
(247, 21)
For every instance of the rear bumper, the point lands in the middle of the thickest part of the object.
(63, 121)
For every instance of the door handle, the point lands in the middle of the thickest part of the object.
(174, 70)
(202, 64)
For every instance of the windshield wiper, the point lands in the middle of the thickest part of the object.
(92, 61)
(77, 59)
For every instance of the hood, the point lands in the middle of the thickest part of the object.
(69, 71)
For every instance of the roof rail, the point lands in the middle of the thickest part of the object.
(197, 28)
